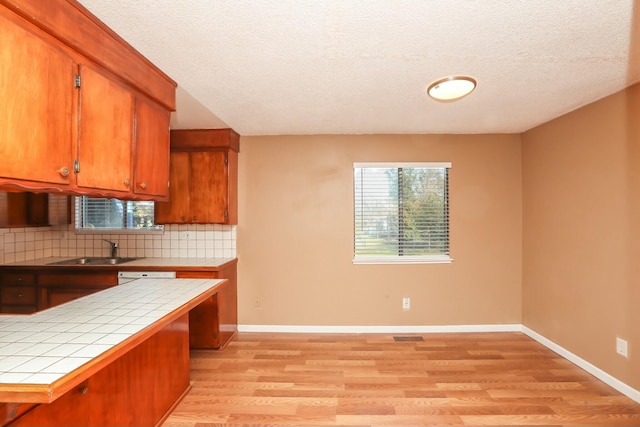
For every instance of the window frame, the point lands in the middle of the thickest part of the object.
(155, 229)
(403, 259)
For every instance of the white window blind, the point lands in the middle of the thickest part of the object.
(113, 214)
(401, 212)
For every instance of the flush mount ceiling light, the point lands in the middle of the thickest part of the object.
(451, 88)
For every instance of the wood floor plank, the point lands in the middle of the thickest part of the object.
(491, 379)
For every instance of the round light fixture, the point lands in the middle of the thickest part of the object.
(451, 88)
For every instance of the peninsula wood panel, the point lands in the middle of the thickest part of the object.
(472, 379)
(138, 389)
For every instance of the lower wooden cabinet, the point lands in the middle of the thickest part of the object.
(28, 291)
(18, 292)
(214, 322)
(18, 299)
(58, 287)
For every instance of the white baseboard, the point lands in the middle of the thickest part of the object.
(623, 388)
(592, 369)
(380, 329)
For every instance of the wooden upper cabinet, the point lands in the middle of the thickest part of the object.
(37, 96)
(208, 192)
(83, 113)
(105, 132)
(176, 210)
(26, 209)
(203, 178)
(151, 173)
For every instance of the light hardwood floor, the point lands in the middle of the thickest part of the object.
(494, 379)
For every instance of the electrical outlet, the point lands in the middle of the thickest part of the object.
(622, 347)
(185, 235)
(406, 303)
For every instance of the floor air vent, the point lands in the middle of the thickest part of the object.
(404, 339)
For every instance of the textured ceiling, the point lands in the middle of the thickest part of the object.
(267, 67)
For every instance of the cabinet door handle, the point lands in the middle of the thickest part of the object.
(143, 185)
(127, 182)
(19, 295)
(83, 390)
(183, 217)
(195, 218)
(64, 171)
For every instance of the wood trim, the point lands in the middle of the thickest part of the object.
(76, 27)
(173, 407)
(202, 139)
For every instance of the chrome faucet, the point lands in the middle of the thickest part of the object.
(114, 248)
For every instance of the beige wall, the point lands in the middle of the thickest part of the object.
(581, 190)
(296, 226)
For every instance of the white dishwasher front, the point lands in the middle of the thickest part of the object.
(128, 276)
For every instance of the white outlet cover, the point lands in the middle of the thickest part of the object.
(622, 347)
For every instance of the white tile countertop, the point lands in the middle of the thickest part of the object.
(44, 347)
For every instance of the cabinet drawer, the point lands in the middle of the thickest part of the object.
(18, 278)
(23, 295)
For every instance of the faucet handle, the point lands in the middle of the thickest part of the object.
(114, 248)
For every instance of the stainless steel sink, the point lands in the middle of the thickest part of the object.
(94, 261)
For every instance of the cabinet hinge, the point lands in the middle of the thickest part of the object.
(226, 159)
(76, 166)
(225, 214)
(77, 80)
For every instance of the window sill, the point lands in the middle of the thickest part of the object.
(403, 260)
(115, 231)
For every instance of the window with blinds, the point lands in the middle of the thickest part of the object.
(401, 212)
(114, 214)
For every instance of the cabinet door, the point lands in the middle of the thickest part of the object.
(106, 132)
(209, 188)
(176, 210)
(37, 93)
(151, 175)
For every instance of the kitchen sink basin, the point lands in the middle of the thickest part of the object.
(94, 261)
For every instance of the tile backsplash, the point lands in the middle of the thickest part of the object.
(176, 241)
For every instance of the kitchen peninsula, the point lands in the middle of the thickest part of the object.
(35, 285)
(116, 357)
